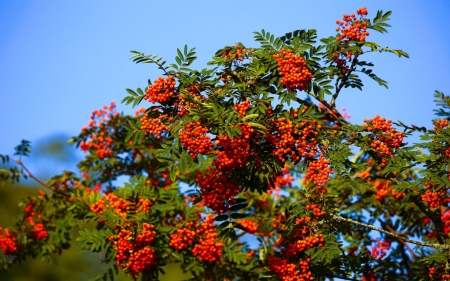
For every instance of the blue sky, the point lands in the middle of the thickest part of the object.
(59, 60)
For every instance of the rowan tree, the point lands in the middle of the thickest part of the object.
(367, 206)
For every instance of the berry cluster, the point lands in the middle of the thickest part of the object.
(102, 116)
(182, 238)
(161, 91)
(208, 248)
(295, 111)
(285, 179)
(155, 126)
(440, 124)
(294, 70)
(183, 105)
(240, 53)
(293, 141)
(250, 225)
(119, 205)
(202, 235)
(352, 28)
(310, 242)
(39, 231)
(143, 205)
(101, 141)
(100, 144)
(287, 271)
(8, 243)
(301, 220)
(319, 173)
(110, 200)
(445, 218)
(304, 237)
(379, 251)
(140, 111)
(134, 252)
(385, 138)
(242, 107)
(233, 153)
(158, 179)
(316, 210)
(218, 191)
(384, 188)
(194, 139)
(438, 273)
(447, 154)
(435, 197)
(278, 223)
(95, 189)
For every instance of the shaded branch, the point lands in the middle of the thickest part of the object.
(401, 240)
(435, 218)
(440, 247)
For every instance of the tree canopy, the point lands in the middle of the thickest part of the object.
(212, 160)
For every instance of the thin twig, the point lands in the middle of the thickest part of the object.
(440, 247)
(32, 176)
(344, 80)
(337, 116)
(401, 241)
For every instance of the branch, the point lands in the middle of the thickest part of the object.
(435, 218)
(440, 247)
(31, 175)
(344, 80)
(401, 240)
(338, 117)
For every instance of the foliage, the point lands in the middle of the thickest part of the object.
(237, 133)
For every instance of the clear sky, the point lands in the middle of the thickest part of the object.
(59, 60)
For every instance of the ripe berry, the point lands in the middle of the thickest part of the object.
(161, 91)
(352, 28)
(194, 139)
(8, 243)
(294, 70)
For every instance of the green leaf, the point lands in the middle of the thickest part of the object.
(131, 92)
(238, 207)
(239, 215)
(256, 125)
(178, 60)
(250, 116)
(221, 218)
(173, 173)
(180, 55)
